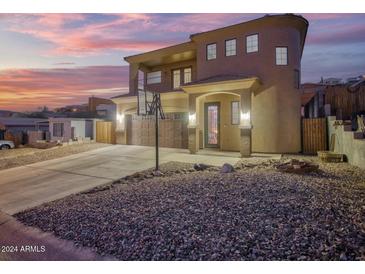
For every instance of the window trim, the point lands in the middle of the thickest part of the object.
(287, 55)
(206, 51)
(172, 80)
(191, 74)
(225, 47)
(258, 42)
(239, 107)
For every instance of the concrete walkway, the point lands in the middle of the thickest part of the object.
(28, 186)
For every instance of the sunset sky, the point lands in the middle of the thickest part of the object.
(61, 59)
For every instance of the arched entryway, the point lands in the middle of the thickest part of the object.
(221, 89)
(218, 120)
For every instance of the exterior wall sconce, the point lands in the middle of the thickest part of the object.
(192, 120)
(120, 121)
(245, 120)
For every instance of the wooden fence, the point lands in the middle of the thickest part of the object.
(314, 135)
(173, 131)
(105, 132)
(344, 103)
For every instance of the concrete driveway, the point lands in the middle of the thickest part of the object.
(31, 185)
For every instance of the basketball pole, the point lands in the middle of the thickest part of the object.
(156, 131)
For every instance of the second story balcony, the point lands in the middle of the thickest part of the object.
(162, 70)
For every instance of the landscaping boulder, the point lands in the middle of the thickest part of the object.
(227, 168)
(200, 167)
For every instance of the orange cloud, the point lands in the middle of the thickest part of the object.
(25, 89)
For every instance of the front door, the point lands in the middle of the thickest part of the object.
(211, 130)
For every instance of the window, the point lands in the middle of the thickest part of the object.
(252, 43)
(211, 51)
(281, 56)
(154, 77)
(187, 75)
(231, 47)
(58, 129)
(296, 78)
(176, 78)
(235, 113)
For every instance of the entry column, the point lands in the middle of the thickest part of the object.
(192, 126)
(245, 123)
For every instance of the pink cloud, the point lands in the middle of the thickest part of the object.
(118, 32)
(88, 38)
(23, 89)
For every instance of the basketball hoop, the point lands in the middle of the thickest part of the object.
(149, 103)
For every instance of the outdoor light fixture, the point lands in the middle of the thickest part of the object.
(245, 119)
(192, 120)
(120, 120)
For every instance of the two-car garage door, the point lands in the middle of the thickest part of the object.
(173, 131)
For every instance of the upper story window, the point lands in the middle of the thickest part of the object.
(187, 75)
(176, 78)
(154, 77)
(281, 56)
(252, 43)
(211, 51)
(231, 47)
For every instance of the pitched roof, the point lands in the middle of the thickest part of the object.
(305, 98)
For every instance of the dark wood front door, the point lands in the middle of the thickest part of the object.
(211, 124)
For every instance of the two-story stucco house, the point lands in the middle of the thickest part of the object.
(234, 88)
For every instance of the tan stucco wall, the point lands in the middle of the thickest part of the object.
(354, 149)
(229, 134)
(275, 117)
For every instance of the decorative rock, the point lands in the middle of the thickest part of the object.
(262, 213)
(157, 173)
(200, 167)
(227, 168)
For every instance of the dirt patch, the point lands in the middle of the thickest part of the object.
(25, 156)
(253, 213)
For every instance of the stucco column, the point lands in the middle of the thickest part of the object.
(192, 126)
(133, 78)
(245, 124)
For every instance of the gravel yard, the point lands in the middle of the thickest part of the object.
(254, 213)
(24, 156)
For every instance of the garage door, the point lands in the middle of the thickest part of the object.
(173, 130)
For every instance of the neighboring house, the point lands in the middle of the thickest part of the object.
(107, 111)
(19, 125)
(238, 87)
(313, 101)
(66, 129)
(331, 81)
(354, 80)
(94, 102)
(344, 101)
(17, 129)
